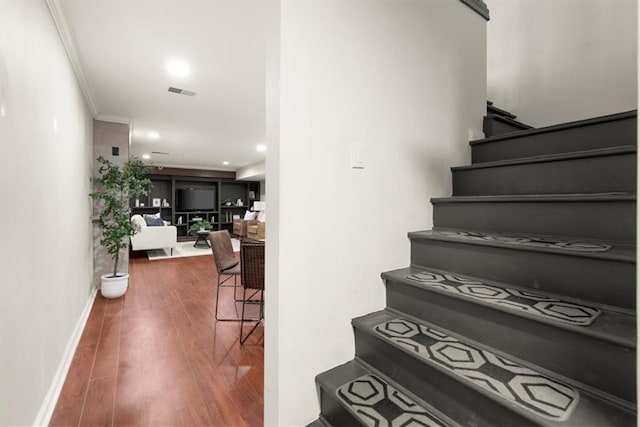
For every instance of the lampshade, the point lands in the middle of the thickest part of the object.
(259, 206)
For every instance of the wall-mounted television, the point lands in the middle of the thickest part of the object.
(194, 199)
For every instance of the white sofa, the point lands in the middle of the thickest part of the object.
(152, 237)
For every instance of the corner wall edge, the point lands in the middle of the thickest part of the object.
(479, 6)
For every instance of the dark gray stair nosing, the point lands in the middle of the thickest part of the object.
(509, 121)
(619, 252)
(499, 111)
(553, 128)
(600, 152)
(592, 330)
(363, 324)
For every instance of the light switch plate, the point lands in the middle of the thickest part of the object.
(357, 156)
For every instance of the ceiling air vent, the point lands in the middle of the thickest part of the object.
(181, 91)
(159, 152)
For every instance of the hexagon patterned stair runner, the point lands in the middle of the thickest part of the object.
(509, 380)
(530, 241)
(377, 404)
(519, 306)
(529, 302)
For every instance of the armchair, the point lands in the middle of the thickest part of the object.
(258, 230)
(240, 225)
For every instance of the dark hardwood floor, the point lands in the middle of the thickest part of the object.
(157, 356)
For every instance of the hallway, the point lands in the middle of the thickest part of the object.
(158, 357)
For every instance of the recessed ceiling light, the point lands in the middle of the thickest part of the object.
(178, 68)
(225, 163)
(146, 156)
(154, 135)
(261, 147)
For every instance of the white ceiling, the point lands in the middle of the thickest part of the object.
(123, 47)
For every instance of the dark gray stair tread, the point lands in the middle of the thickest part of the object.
(509, 121)
(336, 378)
(610, 326)
(554, 128)
(584, 410)
(624, 149)
(317, 423)
(617, 252)
(499, 111)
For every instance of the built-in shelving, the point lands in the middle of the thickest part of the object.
(165, 188)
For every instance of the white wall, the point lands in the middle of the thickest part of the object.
(406, 80)
(551, 62)
(46, 250)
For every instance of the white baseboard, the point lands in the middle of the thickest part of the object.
(51, 398)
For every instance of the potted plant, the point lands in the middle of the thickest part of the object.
(201, 226)
(114, 188)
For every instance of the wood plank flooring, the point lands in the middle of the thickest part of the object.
(158, 357)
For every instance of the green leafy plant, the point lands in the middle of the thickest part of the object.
(114, 187)
(206, 225)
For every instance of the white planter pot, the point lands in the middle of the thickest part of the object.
(114, 287)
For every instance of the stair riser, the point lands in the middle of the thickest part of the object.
(456, 400)
(333, 412)
(587, 175)
(589, 137)
(599, 280)
(601, 220)
(492, 126)
(558, 350)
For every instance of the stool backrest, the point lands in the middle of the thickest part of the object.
(222, 249)
(252, 264)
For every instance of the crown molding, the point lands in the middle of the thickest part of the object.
(479, 7)
(114, 119)
(65, 35)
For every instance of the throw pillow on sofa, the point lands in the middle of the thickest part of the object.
(154, 221)
(248, 216)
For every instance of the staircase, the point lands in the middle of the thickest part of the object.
(518, 308)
